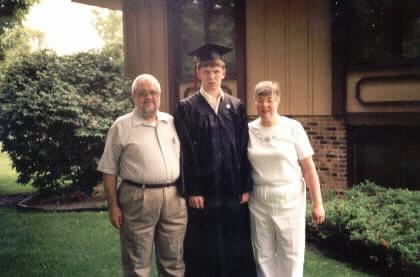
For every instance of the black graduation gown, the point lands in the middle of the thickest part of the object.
(215, 166)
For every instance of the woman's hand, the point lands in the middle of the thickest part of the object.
(318, 213)
(244, 197)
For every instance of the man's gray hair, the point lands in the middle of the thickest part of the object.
(145, 78)
(267, 88)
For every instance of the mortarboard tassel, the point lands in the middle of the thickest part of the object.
(195, 61)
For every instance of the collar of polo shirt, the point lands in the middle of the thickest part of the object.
(138, 120)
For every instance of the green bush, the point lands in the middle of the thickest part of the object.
(375, 223)
(55, 113)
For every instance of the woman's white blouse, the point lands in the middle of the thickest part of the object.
(275, 151)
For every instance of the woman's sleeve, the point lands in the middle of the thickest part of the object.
(303, 146)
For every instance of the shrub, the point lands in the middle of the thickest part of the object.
(55, 113)
(374, 223)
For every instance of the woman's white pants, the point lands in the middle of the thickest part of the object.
(278, 231)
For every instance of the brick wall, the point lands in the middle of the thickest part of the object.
(328, 138)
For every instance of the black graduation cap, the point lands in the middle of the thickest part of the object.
(209, 52)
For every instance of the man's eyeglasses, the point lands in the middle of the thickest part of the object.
(144, 93)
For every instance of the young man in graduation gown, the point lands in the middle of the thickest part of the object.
(212, 127)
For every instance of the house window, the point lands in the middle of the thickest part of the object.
(378, 34)
(386, 155)
(206, 21)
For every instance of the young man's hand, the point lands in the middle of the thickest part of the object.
(197, 202)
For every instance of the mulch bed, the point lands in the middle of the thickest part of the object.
(64, 202)
(11, 200)
(32, 203)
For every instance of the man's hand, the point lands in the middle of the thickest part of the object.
(197, 202)
(318, 213)
(244, 197)
(115, 216)
(114, 212)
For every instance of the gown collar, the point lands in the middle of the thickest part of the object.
(211, 100)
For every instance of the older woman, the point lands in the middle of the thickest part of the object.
(282, 166)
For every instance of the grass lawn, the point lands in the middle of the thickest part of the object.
(57, 244)
(8, 178)
(319, 263)
(85, 244)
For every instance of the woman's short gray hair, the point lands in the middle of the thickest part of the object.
(267, 88)
(145, 78)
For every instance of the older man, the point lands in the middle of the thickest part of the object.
(142, 148)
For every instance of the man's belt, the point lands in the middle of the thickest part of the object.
(150, 186)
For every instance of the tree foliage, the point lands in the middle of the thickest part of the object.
(18, 42)
(110, 28)
(55, 114)
(12, 13)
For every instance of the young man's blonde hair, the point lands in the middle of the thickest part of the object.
(211, 63)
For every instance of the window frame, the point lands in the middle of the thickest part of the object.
(174, 51)
(340, 56)
(342, 25)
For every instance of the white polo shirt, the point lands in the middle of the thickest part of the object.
(140, 151)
